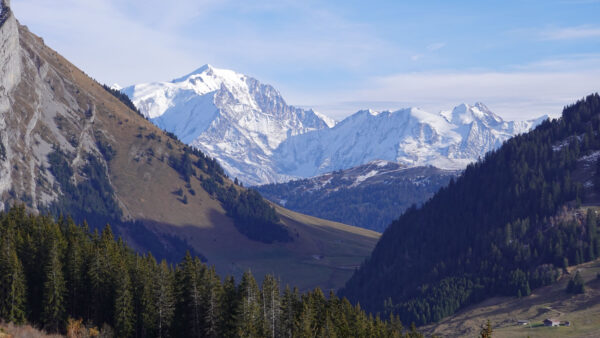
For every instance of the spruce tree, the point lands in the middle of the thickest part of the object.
(228, 323)
(306, 324)
(271, 306)
(53, 315)
(164, 299)
(211, 296)
(250, 324)
(189, 306)
(123, 309)
(148, 311)
(289, 305)
(576, 284)
(74, 268)
(12, 284)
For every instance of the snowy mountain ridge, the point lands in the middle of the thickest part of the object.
(411, 136)
(259, 139)
(228, 115)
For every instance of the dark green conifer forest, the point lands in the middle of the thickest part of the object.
(55, 274)
(496, 230)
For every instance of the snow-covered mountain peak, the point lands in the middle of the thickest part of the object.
(259, 139)
(328, 120)
(465, 114)
(205, 70)
(229, 115)
(208, 79)
(412, 136)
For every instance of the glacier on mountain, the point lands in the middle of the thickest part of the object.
(259, 139)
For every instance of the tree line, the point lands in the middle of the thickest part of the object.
(55, 273)
(252, 215)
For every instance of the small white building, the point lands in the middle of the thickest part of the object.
(551, 322)
(523, 322)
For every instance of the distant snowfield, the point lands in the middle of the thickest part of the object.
(259, 139)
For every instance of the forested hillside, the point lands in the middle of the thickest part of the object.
(370, 196)
(504, 227)
(57, 275)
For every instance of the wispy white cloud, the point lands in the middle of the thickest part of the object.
(108, 45)
(416, 57)
(570, 33)
(436, 46)
(140, 41)
(515, 95)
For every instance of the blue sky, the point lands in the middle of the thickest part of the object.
(521, 58)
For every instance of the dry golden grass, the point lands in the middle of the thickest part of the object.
(10, 330)
(323, 253)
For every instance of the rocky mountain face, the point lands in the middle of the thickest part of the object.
(258, 138)
(70, 146)
(369, 196)
(230, 116)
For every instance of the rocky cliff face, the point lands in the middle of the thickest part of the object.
(10, 70)
(48, 106)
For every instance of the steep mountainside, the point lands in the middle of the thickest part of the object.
(230, 116)
(412, 137)
(69, 145)
(507, 225)
(370, 196)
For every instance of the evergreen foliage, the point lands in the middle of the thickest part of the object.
(94, 279)
(492, 231)
(486, 331)
(252, 215)
(92, 200)
(576, 284)
(370, 206)
(123, 98)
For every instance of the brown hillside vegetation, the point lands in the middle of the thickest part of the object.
(582, 311)
(53, 105)
(10, 330)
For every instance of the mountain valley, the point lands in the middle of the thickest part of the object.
(208, 206)
(70, 146)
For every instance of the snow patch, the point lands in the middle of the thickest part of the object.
(361, 178)
(591, 159)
